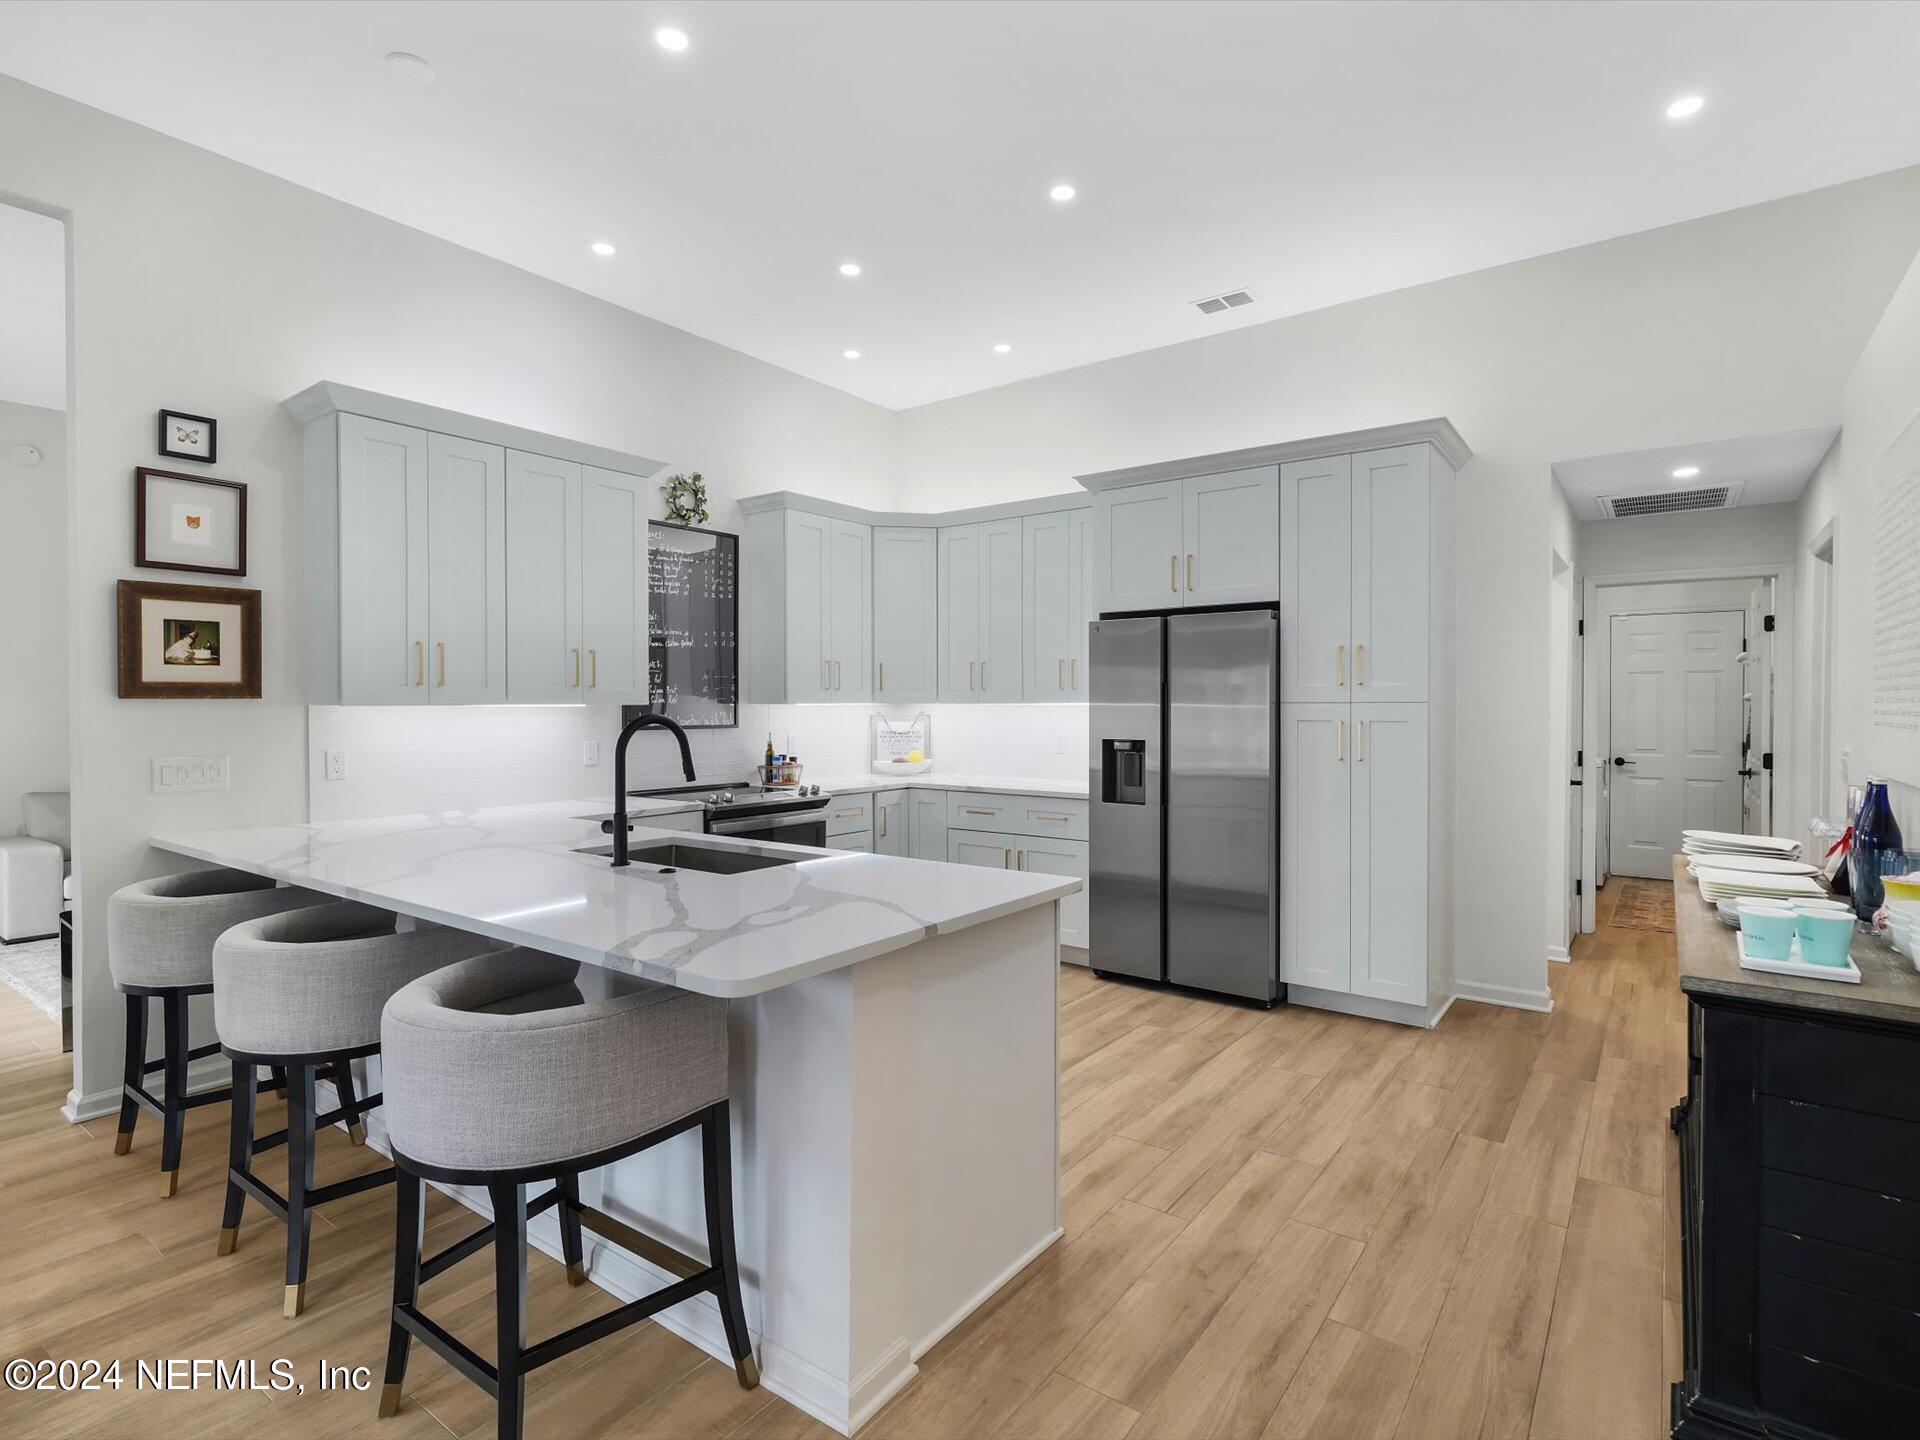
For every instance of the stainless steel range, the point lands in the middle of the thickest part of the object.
(795, 815)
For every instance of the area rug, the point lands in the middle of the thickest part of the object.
(34, 970)
(1644, 905)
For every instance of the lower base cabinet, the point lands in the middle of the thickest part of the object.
(892, 826)
(1040, 855)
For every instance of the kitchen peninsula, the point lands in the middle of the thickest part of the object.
(892, 1038)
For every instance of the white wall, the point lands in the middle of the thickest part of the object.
(1752, 535)
(201, 284)
(1739, 324)
(1880, 400)
(33, 608)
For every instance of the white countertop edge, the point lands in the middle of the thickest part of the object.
(934, 780)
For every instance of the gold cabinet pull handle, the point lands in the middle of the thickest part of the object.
(1019, 859)
(1075, 672)
(576, 667)
(1189, 570)
(1173, 573)
(593, 668)
(969, 810)
(883, 675)
(1056, 819)
(1340, 742)
(1060, 673)
(826, 674)
(971, 666)
(1360, 747)
(883, 822)
(983, 674)
(839, 677)
(1339, 664)
(1006, 859)
(1359, 665)
(419, 662)
(443, 664)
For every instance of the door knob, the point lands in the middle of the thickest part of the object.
(1622, 760)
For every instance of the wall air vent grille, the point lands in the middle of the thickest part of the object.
(1232, 300)
(1670, 502)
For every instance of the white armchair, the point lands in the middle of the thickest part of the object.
(33, 869)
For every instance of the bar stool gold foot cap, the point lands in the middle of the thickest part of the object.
(576, 1274)
(169, 1182)
(357, 1133)
(122, 1141)
(747, 1371)
(229, 1239)
(296, 1300)
(389, 1401)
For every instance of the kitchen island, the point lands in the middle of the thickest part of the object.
(892, 1033)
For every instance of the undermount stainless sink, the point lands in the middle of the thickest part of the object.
(690, 855)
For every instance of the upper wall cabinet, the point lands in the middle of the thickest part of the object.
(981, 640)
(906, 614)
(455, 560)
(1356, 575)
(806, 607)
(1057, 598)
(1201, 540)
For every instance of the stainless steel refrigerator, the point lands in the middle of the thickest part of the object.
(1185, 800)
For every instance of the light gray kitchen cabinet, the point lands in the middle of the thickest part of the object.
(906, 614)
(1391, 776)
(850, 611)
(1054, 599)
(466, 571)
(981, 643)
(543, 580)
(892, 826)
(1060, 857)
(929, 823)
(613, 587)
(367, 542)
(1316, 846)
(1137, 546)
(858, 841)
(1199, 540)
(806, 611)
(973, 847)
(1316, 580)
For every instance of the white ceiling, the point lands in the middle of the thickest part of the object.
(33, 309)
(1315, 152)
(1771, 469)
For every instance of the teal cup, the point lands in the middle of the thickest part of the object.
(1825, 939)
(1768, 932)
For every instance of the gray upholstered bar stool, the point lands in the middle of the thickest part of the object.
(500, 1071)
(160, 937)
(302, 992)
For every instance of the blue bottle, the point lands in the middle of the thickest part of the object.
(1875, 833)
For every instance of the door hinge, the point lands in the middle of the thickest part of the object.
(1578, 886)
(1580, 627)
(1766, 624)
(1579, 759)
(1766, 759)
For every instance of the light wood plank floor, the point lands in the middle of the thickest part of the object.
(1278, 1224)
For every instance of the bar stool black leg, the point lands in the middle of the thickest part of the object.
(299, 1181)
(407, 1208)
(716, 1153)
(239, 1153)
(570, 1248)
(510, 1303)
(134, 1074)
(342, 1075)
(173, 1009)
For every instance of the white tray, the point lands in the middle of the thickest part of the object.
(1794, 965)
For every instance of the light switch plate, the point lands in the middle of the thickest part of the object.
(336, 764)
(1059, 742)
(187, 774)
(589, 752)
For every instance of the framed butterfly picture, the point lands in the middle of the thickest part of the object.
(189, 437)
(189, 522)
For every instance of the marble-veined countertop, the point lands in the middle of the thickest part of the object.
(514, 873)
(942, 780)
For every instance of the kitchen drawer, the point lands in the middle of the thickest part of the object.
(859, 841)
(1018, 814)
(848, 813)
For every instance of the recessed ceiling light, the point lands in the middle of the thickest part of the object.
(1685, 107)
(1001, 349)
(850, 269)
(1060, 194)
(1686, 472)
(851, 354)
(668, 38)
(601, 247)
(410, 67)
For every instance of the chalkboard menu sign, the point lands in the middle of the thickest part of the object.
(693, 625)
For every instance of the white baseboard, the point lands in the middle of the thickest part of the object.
(988, 1291)
(1365, 1006)
(209, 1072)
(1511, 996)
(1559, 954)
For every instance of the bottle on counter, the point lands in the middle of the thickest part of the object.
(1875, 835)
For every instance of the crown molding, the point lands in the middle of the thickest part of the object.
(1437, 432)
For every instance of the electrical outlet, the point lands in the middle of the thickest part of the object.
(589, 752)
(336, 764)
(186, 774)
(1059, 742)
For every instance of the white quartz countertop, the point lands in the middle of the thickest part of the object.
(942, 780)
(513, 873)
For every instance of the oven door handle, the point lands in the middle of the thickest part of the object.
(767, 822)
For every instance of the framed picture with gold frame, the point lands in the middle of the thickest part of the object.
(188, 642)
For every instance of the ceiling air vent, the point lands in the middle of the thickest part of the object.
(1232, 300)
(1669, 502)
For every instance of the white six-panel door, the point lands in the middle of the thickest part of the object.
(1316, 580)
(1389, 850)
(383, 563)
(1316, 840)
(809, 556)
(613, 587)
(1231, 523)
(1390, 618)
(1138, 536)
(466, 571)
(544, 665)
(906, 624)
(1675, 720)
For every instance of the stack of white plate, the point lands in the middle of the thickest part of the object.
(1717, 842)
(1718, 885)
